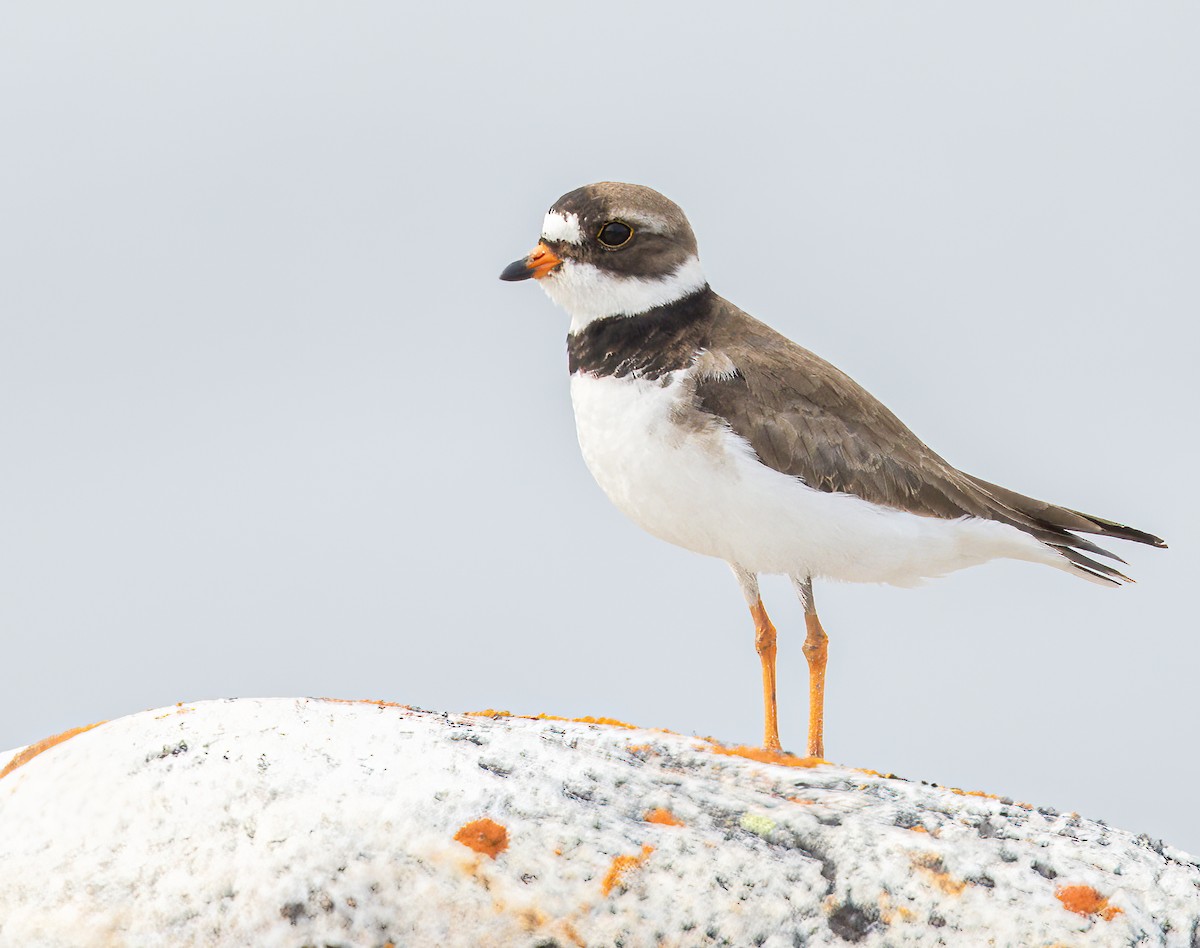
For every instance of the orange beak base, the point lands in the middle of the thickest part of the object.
(540, 262)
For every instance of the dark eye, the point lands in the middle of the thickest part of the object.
(615, 234)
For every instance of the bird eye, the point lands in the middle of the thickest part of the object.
(615, 234)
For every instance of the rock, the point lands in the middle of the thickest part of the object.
(308, 822)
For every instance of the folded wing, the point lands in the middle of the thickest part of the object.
(805, 418)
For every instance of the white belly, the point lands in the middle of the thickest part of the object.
(702, 488)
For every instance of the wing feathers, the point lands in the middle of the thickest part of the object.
(805, 418)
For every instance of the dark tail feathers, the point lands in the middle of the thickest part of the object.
(1065, 523)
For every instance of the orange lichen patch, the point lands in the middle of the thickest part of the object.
(607, 722)
(889, 913)
(875, 773)
(492, 713)
(932, 865)
(180, 708)
(764, 756)
(528, 917)
(380, 703)
(1084, 900)
(973, 793)
(801, 801)
(483, 836)
(664, 817)
(621, 865)
(33, 750)
(918, 829)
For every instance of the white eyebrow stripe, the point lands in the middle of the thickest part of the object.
(649, 222)
(564, 227)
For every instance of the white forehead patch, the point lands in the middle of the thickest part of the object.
(564, 227)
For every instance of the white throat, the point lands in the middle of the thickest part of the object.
(588, 293)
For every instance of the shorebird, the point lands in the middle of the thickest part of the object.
(714, 432)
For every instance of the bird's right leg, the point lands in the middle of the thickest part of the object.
(816, 650)
(764, 642)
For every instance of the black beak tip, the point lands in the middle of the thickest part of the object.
(517, 270)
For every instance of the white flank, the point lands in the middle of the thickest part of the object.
(564, 227)
(704, 489)
(588, 293)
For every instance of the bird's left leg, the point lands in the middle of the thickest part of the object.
(816, 650)
(764, 642)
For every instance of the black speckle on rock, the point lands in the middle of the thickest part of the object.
(851, 922)
(495, 767)
(986, 830)
(170, 750)
(906, 819)
(583, 794)
(1007, 855)
(982, 879)
(469, 736)
(1044, 871)
(293, 912)
(936, 921)
(1048, 811)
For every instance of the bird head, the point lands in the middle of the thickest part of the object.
(612, 249)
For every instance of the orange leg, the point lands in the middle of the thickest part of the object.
(816, 650)
(764, 642)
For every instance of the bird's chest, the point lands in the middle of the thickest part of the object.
(658, 459)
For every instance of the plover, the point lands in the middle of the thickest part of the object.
(716, 433)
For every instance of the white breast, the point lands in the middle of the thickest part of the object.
(701, 487)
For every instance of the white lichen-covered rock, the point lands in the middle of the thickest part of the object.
(318, 823)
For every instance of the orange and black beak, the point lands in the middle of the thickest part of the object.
(536, 265)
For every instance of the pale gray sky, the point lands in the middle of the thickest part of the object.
(272, 426)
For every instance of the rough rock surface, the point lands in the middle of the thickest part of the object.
(308, 822)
